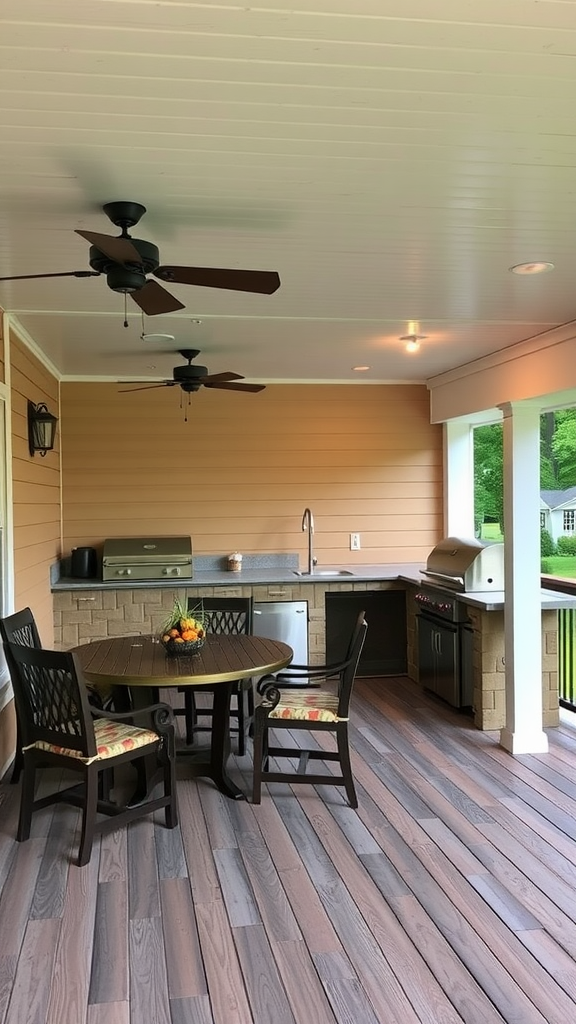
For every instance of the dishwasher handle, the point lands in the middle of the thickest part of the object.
(298, 611)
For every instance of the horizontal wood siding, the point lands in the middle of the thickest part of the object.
(36, 491)
(7, 735)
(239, 473)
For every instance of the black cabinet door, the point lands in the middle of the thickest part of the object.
(447, 676)
(438, 659)
(385, 649)
(427, 654)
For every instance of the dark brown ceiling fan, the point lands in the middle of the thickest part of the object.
(192, 377)
(127, 261)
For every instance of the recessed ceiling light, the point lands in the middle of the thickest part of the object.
(538, 267)
(360, 369)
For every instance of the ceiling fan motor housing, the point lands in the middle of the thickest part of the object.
(126, 277)
(189, 374)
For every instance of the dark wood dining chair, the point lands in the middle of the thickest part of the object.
(59, 728)
(231, 615)
(19, 628)
(286, 704)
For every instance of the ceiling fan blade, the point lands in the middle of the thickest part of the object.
(66, 273)
(218, 378)
(115, 247)
(237, 387)
(146, 387)
(154, 299)
(263, 281)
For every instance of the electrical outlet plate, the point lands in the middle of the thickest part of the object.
(354, 542)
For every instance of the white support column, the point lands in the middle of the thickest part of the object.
(458, 479)
(523, 733)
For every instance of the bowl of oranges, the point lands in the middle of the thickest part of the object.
(184, 632)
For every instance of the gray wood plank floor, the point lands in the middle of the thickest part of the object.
(448, 897)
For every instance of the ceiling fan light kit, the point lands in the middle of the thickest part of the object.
(126, 263)
(413, 341)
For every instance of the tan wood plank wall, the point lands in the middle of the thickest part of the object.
(2, 360)
(239, 473)
(36, 490)
(7, 735)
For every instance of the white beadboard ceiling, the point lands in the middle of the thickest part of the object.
(391, 159)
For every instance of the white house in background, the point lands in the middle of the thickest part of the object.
(558, 513)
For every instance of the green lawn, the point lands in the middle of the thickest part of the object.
(563, 566)
(491, 531)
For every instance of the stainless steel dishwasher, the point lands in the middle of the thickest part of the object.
(286, 621)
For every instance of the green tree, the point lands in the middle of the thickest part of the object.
(548, 467)
(564, 447)
(557, 463)
(488, 475)
(558, 450)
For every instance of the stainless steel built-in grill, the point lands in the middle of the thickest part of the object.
(469, 566)
(147, 558)
(445, 639)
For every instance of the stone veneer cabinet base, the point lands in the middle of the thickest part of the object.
(84, 615)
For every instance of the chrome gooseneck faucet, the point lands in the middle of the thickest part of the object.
(308, 524)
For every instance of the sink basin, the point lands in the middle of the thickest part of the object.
(324, 572)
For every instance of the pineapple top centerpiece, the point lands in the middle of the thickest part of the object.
(184, 631)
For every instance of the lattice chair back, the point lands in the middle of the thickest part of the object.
(232, 615)
(20, 628)
(228, 615)
(52, 705)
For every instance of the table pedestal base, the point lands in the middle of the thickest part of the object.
(206, 764)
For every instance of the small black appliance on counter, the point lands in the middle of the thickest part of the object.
(84, 563)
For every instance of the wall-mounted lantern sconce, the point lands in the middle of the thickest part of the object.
(41, 428)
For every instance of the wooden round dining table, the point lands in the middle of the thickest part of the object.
(141, 662)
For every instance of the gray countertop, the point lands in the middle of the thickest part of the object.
(252, 577)
(410, 572)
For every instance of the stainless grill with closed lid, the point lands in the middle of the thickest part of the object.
(466, 566)
(147, 558)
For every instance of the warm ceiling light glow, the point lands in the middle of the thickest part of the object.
(360, 369)
(538, 267)
(413, 341)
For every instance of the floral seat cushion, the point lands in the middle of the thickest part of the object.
(312, 706)
(112, 738)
